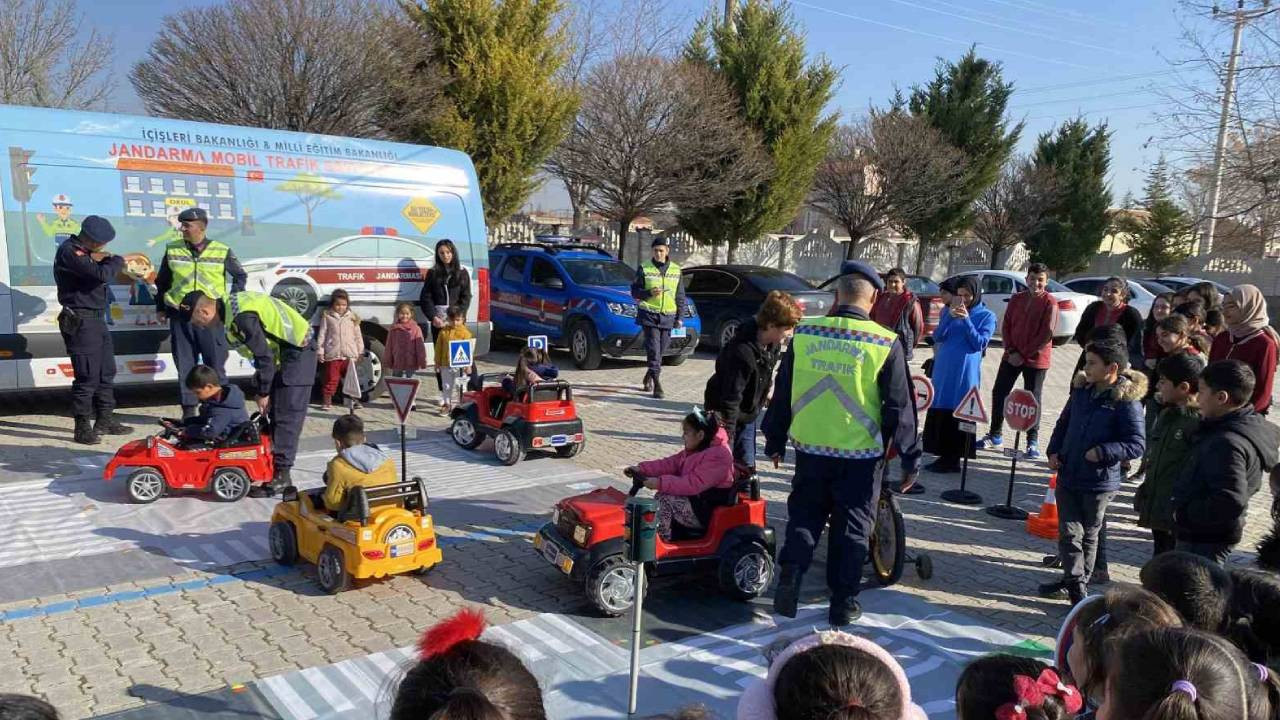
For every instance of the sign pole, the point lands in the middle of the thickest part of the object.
(636, 614)
(1007, 510)
(404, 457)
(964, 496)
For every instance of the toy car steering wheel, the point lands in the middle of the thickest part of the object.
(170, 425)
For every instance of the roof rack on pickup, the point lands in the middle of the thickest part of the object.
(551, 247)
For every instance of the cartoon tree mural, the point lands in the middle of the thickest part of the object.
(311, 190)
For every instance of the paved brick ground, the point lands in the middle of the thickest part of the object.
(92, 660)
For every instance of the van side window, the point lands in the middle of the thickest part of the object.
(513, 270)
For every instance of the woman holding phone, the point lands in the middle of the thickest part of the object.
(960, 339)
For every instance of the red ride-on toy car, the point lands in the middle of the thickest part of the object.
(584, 541)
(227, 468)
(540, 417)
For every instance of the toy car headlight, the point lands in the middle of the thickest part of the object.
(555, 515)
(623, 309)
(581, 534)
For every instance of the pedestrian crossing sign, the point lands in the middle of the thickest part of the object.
(971, 408)
(461, 353)
(538, 342)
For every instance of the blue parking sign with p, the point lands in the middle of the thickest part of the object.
(538, 342)
(461, 353)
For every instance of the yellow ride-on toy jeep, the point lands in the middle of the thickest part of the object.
(382, 530)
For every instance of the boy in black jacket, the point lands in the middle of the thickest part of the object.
(221, 408)
(1232, 450)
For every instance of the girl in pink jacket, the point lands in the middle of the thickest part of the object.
(691, 483)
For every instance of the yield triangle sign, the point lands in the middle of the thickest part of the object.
(403, 392)
(970, 408)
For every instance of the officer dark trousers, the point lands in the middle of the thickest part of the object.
(192, 346)
(845, 492)
(290, 395)
(93, 361)
(656, 342)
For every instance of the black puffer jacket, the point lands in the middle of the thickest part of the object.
(443, 290)
(1229, 456)
(743, 376)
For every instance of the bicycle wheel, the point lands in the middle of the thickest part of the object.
(888, 541)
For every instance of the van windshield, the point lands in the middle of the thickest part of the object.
(599, 272)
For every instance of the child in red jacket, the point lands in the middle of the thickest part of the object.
(691, 483)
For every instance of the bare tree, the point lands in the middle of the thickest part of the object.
(884, 172)
(1013, 207)
(325, 66)
(602, 29)
(47, 60)
(652, 133)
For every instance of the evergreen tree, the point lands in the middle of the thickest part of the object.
(1164, 237)
(503, 104)
(761, 56)
(1079, 157)
(966, 101)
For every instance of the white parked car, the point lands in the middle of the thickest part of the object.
(998, 286)
(1142, 293)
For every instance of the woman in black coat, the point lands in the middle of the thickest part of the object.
(447, 285)
(739, 389)
(1113, 309)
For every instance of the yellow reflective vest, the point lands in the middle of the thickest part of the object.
(205, 272)
(835, 397)
(279, 320)
(668, 282)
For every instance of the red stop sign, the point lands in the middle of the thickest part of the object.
(1021, 410)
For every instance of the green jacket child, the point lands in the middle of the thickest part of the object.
(1169, 444)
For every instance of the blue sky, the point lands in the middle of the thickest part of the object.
(1102, 58)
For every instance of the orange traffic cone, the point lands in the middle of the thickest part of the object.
(1045, 523)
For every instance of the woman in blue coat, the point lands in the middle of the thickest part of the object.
(960, 341)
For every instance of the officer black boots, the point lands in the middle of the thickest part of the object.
(279, 482)
(657, 388)
(787, 596)
(84, 433)
(844, 611)
(108, 425)
(648, 380)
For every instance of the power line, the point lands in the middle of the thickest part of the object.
(1054, 12)
(1133, 91)
(944, 38)
(997, 16)
(1011, 28)
(1102, 81)
(1095, 112)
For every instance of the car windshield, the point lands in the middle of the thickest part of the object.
(604, 271)
(770, 280)
(922, 286)
(1154, 287)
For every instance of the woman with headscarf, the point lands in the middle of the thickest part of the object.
(896, 308)
(1113, 309)
(960, 339)
(1250, 339)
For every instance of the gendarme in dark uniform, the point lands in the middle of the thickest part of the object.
(842, 394)
(83, 271)
(660, 305)
(282, 346)
(194, 262)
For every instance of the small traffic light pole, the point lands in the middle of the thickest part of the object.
(637, 614)
(640, 533)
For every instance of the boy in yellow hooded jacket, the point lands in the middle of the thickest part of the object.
(357, 464)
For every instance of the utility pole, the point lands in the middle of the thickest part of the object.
(729, 7)
(1241, 16)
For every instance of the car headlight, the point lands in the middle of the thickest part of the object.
(623, 309)
(581, 533)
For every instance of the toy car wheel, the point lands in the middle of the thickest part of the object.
(284, 543)
(229, 484)
(331, 571)
(584, 344)
(611, 586)
(746, 570)
(569, 451)
(924, 566)
(145, 485)
(507, 447)
(888, 541)
(464, 433)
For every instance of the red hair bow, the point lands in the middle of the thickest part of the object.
(1030, 693)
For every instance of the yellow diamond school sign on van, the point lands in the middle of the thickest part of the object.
(421, 213)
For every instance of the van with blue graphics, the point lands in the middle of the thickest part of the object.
(305, 214)
(577, 295)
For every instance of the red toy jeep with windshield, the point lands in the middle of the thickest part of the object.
(541, 417)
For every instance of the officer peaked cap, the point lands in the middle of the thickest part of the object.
(97, 229)
(868, 273)
(194, 213)
(660, 240)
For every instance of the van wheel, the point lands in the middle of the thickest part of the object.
(584, 344)
(746, 569)
(297, 295)
(284, 543)
(331, 571)
(611, 586)
(369, 369)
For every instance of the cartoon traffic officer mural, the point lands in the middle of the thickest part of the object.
(61, 227)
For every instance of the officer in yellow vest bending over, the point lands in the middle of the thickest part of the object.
(283, 349)
(842, 394)
(660, 305)
(195, 263)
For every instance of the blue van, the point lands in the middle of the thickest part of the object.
(577, 295)
(305, 214)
